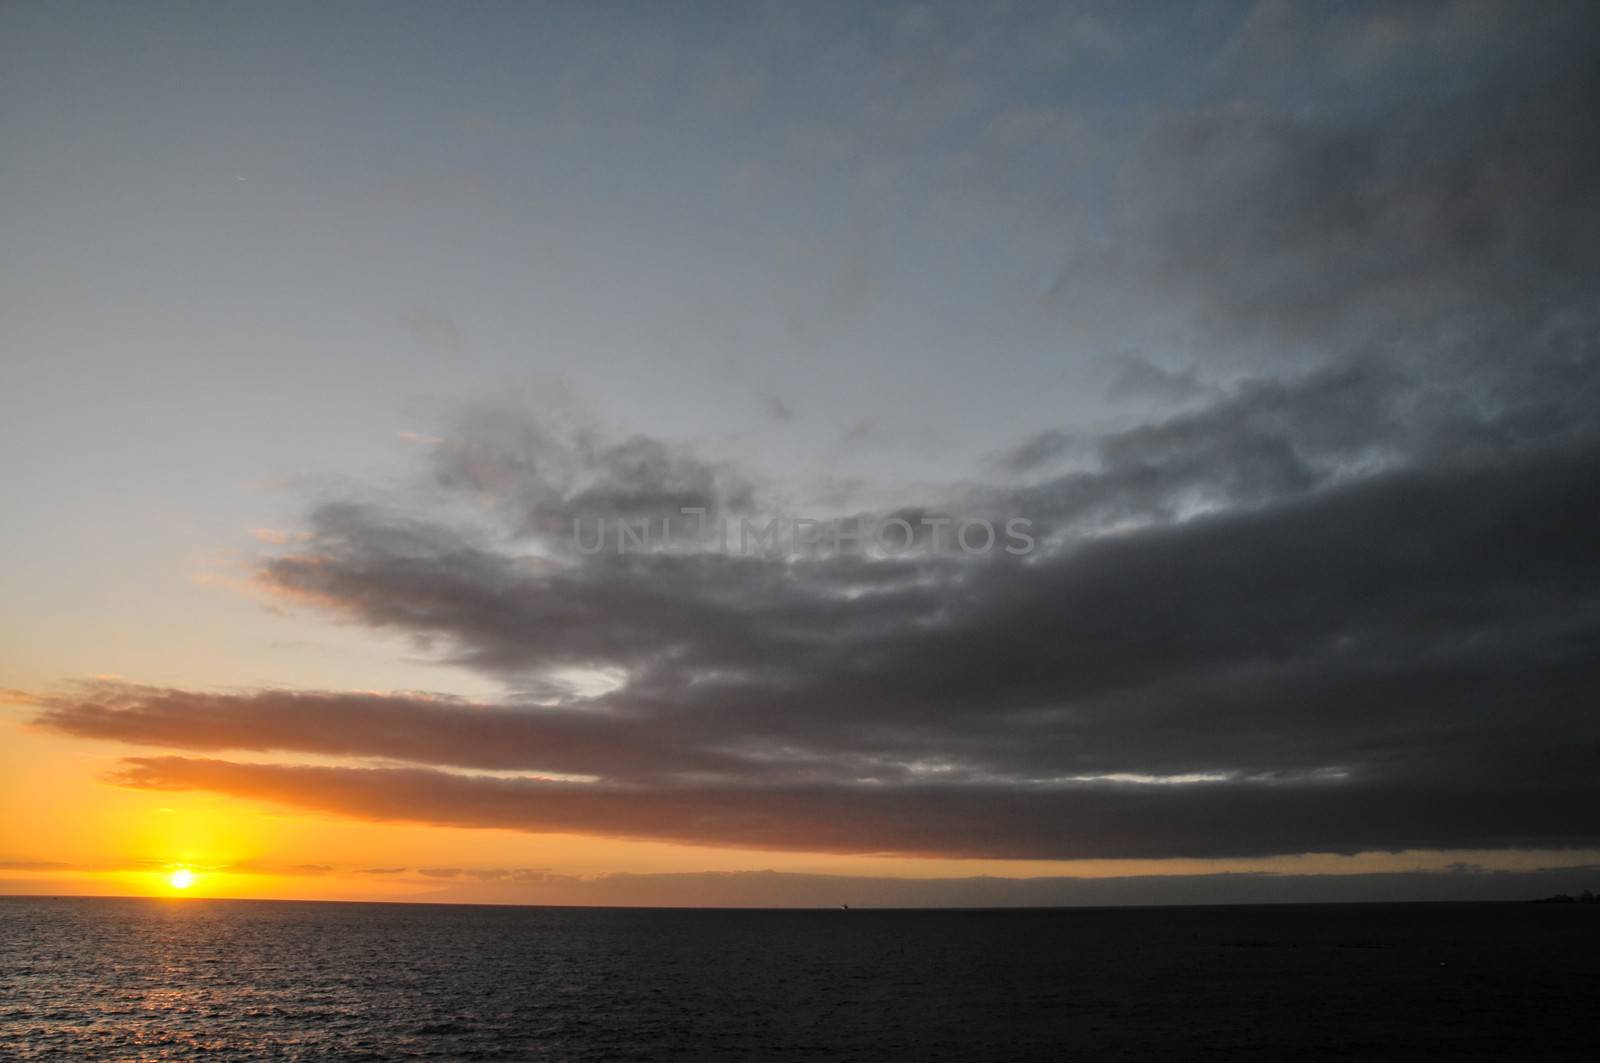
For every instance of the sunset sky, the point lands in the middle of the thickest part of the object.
(321, 324)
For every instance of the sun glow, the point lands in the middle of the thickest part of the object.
(181, 879)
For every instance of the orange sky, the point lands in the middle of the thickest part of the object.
(65, 830)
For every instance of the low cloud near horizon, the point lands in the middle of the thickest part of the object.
(787, 889)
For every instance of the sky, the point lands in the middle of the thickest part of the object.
(335, 335)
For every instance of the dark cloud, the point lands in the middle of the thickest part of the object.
(924, 819)
(421, 728)
(1265, 440)
(1410, 181)
(1395, 659)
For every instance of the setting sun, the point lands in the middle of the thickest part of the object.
(181, 879)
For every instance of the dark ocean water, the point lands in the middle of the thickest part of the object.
(218, 980)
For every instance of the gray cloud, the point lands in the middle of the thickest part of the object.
(429, 729)
(540, 479)
(927, 819)
(1360, 177)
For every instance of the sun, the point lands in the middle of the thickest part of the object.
(181, 879)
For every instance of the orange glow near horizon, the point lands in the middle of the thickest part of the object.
(65, 830)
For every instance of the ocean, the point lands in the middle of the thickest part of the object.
(132, 979)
